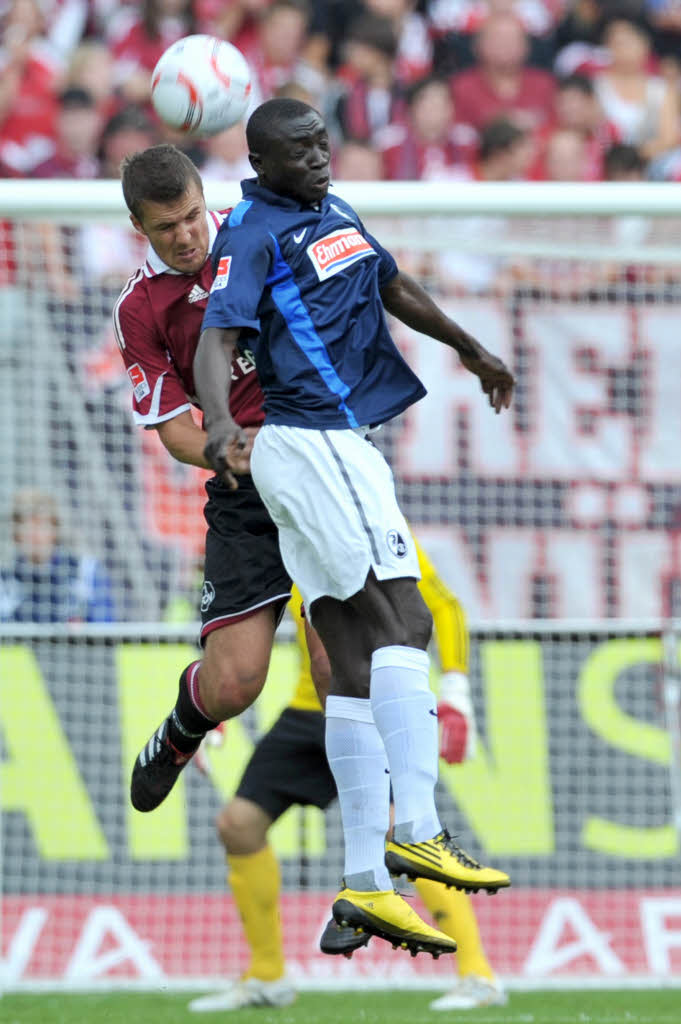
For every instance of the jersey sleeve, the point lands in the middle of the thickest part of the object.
(157, 390)
(387, 267)
(242, 259)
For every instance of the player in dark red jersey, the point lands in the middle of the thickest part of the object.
(157, 321)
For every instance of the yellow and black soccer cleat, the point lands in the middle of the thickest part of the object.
(387, 916)
(441, 860)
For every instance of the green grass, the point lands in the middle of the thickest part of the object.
(584, 1007)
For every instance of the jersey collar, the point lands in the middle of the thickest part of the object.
(252, 190)
(154, 265)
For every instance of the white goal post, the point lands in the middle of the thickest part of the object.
(558, 525)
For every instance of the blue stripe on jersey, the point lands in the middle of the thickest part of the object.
(286, 295)
(239, 212)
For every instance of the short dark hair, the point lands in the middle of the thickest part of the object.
(76, 98)
(268, 118)
(296, 5)
(622, 158)
(376, 31)
(582, 83)
(631, 17)
(160, 174)
(497, 136)
(421, 84)
(130, 118)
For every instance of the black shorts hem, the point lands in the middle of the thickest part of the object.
(289, 766)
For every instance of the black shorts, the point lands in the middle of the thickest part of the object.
(289, 766)
(243, 568)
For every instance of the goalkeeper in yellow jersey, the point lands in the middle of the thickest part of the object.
(289, 766)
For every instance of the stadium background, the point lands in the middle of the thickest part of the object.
(557, 526)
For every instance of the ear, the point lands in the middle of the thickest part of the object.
(137, 225)
(255, 162)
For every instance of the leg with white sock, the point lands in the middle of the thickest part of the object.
(356, 756)
(404, 710)
(393, 623)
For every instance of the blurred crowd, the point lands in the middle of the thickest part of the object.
(498, 90)
(558, 90)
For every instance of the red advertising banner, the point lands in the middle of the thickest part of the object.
(81, 940)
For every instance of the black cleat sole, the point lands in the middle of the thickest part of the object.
(339, 941)
(347, 915)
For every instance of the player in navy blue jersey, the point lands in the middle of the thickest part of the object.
(302, 285)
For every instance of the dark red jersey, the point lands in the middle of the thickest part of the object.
(157, 321)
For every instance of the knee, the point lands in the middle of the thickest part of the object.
(227, 690)
(240, 827)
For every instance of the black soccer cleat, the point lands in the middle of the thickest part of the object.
(339, 941)
(156, 770)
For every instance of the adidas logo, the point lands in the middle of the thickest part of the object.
(197, 293)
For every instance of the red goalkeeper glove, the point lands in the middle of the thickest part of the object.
(214, 738)
(458, 734)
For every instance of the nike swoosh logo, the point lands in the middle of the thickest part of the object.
(433, 713)
(300, 236)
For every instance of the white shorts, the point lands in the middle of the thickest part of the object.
(332, 496)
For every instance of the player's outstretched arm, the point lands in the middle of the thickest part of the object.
(405, 299)
(213, 379)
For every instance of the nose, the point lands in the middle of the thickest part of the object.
(184, 232)
(318, 158)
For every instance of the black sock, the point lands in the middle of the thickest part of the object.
(188, 725)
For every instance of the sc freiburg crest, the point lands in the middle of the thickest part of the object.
(396, 543)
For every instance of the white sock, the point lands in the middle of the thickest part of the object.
(356, 756)
(404, 710)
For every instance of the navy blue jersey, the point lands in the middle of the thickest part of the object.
(303, 285)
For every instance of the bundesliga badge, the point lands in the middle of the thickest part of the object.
(222, 274)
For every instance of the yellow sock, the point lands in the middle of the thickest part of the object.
(453, 913)
(255, 881)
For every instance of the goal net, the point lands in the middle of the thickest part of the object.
(557, 524)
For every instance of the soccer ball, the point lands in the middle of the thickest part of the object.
(201, 85)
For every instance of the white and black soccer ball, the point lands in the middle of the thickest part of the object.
(201, 85)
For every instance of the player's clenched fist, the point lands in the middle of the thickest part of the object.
(228, 450)
(458, 734)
